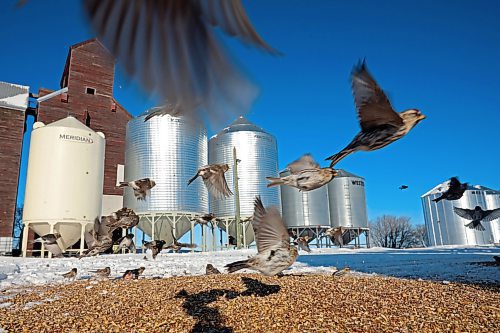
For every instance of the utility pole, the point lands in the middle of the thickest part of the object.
(236, 199)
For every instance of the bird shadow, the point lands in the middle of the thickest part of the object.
(209, 319)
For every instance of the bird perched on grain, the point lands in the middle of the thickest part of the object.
(102, 272)
(174, 51)
(210, 270)
(206, 219)
(142, 187)
(274, 252)
(477, 215)
(305, 174)
(344, 271)
(155, 246)
(380, 124)
(403, 187)
(133, 273)
(454, 192)
(214, 179)
(176, 246)
(124, 218)
(50, 243)
(71, 274)
(303, 243)
(126, 242)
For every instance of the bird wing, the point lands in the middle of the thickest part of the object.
(54, 249)
(373, 107)
(467, 214)
(269, 229)
(172, 49)
(143, 183)
(454, 184)
(119, 240)
(491, 215)
(217, 185)
(304, 246)
(305, 162)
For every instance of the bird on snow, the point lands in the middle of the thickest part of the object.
(344, 271)
(71, 274)
(126, 242)
(274, 252)
(305, 174)
(133, 273)
(176, 246)
(380, 124)
(155, 246)
(210, 270)
(124, 218)
(232, 241)
(142, 187)
(477, 215)
(102, 272)
(454, 192)
(214, 179)
(403, 187)
(50, 243)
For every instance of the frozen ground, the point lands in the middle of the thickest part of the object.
(438, 263)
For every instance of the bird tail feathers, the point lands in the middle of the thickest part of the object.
(237, 265)
(337, 157)
(123, 184)
(275, 181)
(478, 227)
(438, 199)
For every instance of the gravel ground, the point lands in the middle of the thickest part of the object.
(253, 303)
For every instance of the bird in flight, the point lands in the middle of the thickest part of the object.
(141, 187)
(454, 192)
(380, 123)
(214, 179)
(477, 215)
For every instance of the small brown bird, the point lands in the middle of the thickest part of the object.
(306, 175)
(50, 243)
(380, 124)
(142, 187)
(303, 243)
(71, 274)
(124, 218)
(274, 252)
(172, 48)
(344, 271)
(232, 241)
(454, 192)
(176, 246)
(102, 272)
(206, 219)
(247, 219)
(477, 215)
(335, 235)
(210, 270)
(214, 179)
(155, 246)
(133, 273)
(99, 238)
(126, 242)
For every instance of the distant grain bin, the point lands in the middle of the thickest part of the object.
(257, 156)
(444, 227)
(168, 150)
(304, 209)
(64, 182)
(493, 202)
(346, 195)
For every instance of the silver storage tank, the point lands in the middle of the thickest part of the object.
(168, 150)
(258, 158)
(347, 199)
(444, 227)
(493, 202)
(304, 209)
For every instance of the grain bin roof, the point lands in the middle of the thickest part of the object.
(14, 96)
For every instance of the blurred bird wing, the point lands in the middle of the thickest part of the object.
(269, 229)
(119, 240)
(304, 246)
(373, 106)
(454, 183)
(54, 249)
(143, 183)
(187, 245)
(217, 185)
(90, 239)
(467, 214)
(172, 50)
(305, 162)
(491, 215)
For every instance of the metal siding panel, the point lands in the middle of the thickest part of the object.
(347, 202)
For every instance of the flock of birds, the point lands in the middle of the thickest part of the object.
(172, 48)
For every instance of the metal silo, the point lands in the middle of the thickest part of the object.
(257, 156)
(444, 227)
(168, 150)
(347, 198)
(493, 202)
(64, 180)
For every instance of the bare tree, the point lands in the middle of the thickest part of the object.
(395, 232)
(17, 232)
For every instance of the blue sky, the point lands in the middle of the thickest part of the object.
(438, 56)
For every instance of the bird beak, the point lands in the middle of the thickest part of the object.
(421, 116)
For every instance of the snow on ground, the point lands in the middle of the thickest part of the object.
(437, 263)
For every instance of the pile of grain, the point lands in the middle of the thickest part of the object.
(254, 303)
